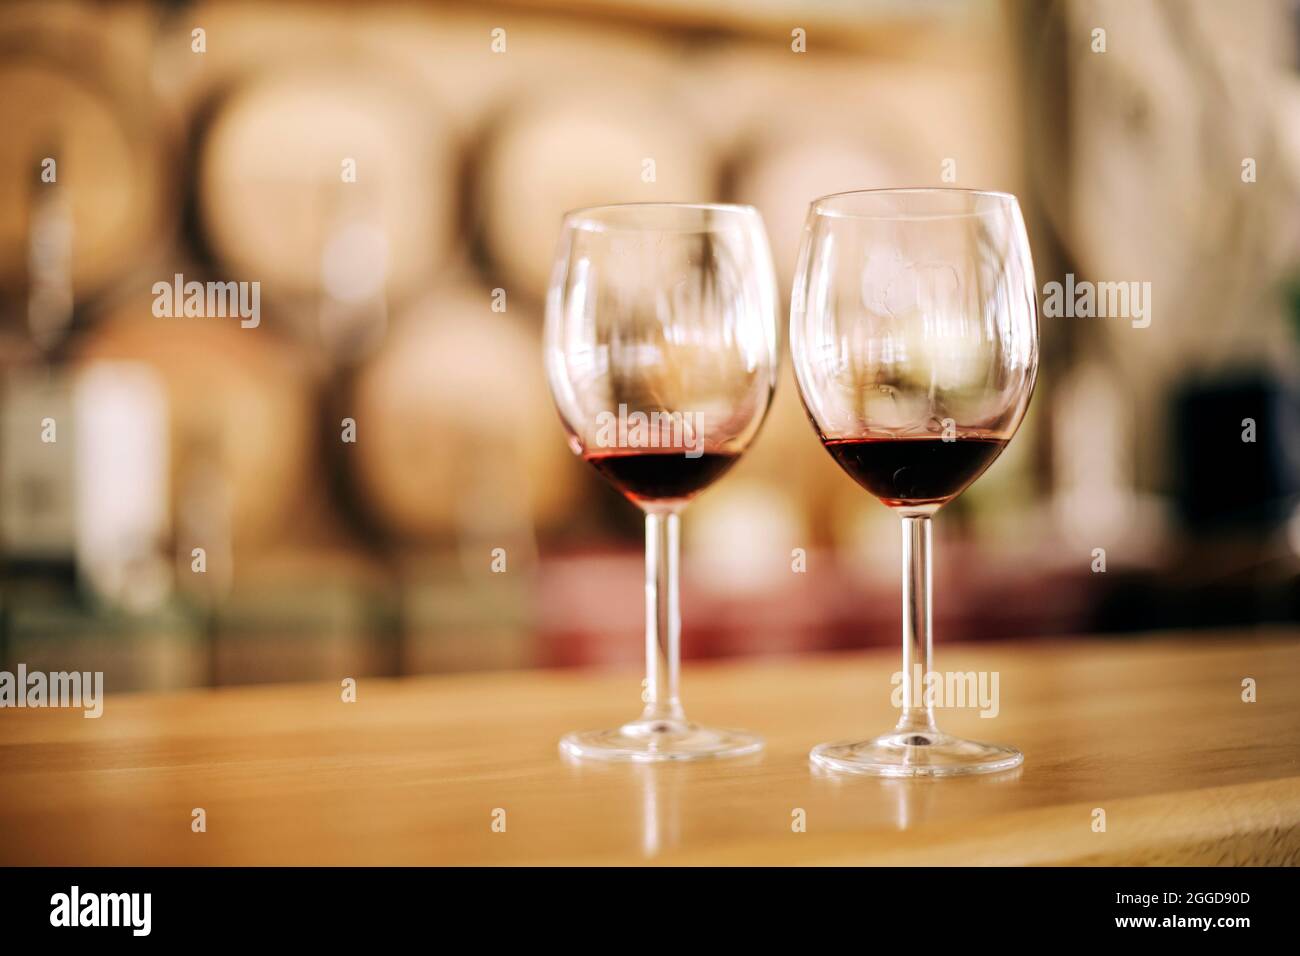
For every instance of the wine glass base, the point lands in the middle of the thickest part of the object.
(647, 741)
(926, 753)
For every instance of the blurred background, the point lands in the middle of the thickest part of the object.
(182, 502)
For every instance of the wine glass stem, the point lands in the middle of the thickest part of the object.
(916, 623)
(663, 622)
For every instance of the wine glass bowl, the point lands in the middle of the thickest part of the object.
(913, 332)
(915, 321)
(661, 352)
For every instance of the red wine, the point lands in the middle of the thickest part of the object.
(919, 470)
(666, 475)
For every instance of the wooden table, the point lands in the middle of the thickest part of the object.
(1154, 732)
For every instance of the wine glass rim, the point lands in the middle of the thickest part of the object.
(592, 217)
(822, 205)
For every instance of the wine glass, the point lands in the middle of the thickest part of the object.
(914, 333)
(661, 352)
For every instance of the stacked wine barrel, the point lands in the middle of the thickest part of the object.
(395, 182)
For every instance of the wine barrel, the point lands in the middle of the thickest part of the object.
(277, 188)
(800, 128)
(456, 435)
(580, 146)
(785, 173)
(77, 91)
